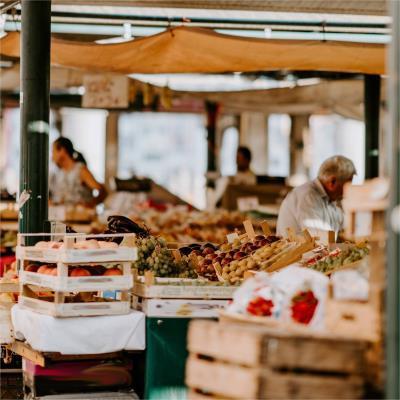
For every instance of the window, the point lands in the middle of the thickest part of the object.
(230, 143)
(278, 145)
(10, 147)
(87, 130)
(169, 148)
(335, 135)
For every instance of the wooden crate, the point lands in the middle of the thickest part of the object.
(179, 308)
(57, 306)
(63, 282)
(148, 287)
(237, 361)
(69, 255)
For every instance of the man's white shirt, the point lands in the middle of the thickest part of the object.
(308, 207)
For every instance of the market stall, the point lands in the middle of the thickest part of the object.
(141, 282)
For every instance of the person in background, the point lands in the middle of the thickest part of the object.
(73, 184)
(316, 205)
(244, 175)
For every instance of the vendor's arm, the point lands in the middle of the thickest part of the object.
(88, 179)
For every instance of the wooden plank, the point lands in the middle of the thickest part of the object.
(266, 228)
(239, 382)
(24, 350)
(248, 226)
(256, 346)
(217, 340)
(231, 380)
(306, 386)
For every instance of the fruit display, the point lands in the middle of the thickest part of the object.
(259, 260)
(154, 255)
(231, 258)
(180, 224)
(76, 271)
(328, 261)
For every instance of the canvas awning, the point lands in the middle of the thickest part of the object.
(344, 97)
(197, 50)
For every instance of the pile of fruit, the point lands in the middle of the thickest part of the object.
(154, 255)
(327, 261)
(232, 259)
(260, 260)
(180, 224)
(76, 271)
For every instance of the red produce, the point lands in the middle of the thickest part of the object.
(76, 272)
(32, 268)
(113, 271)
(260, 307)
(303, 307)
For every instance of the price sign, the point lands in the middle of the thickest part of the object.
(105, 91)
(247, 203)
(57, 213)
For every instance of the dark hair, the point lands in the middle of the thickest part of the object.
(245, 151)
(66, 144)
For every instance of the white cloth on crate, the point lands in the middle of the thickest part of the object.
(308, 207)
(80, 335)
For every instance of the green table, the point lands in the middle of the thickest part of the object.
(166, 355)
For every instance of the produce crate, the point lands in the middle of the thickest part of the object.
(237, 361)
(66, 251)
(182, 308)
(70, 255)
(149, 286)
(56, 305)
(64, 283)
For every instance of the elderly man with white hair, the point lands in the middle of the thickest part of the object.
(316, 205)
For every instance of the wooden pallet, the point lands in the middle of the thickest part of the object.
(42, 358)
(237, 362)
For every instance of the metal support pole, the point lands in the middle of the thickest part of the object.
(111, 164)
(212, 111)
(372, 89)
(35, 103)
(393, 248)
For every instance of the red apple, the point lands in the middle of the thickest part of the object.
(239, 255)
(32, 268)
(42, 269)
(113, 271)
(208, 250)
(76, 272)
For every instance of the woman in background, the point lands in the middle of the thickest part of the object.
(73, 183)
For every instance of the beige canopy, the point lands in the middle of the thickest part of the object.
(198, 50)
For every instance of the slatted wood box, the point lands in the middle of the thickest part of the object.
(248, 362)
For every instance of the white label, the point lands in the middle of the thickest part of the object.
(106, 91)
(57, 213)
(231, 237)
(247, 203)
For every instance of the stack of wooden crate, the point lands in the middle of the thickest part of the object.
(59, 302)
(238, 361)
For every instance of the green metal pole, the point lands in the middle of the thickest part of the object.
(372, 89)
(393, 249)
(35, 107)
